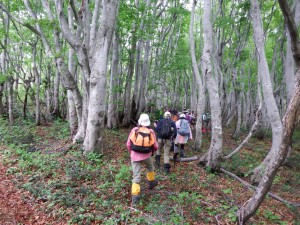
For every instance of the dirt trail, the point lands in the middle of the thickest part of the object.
(17, 206)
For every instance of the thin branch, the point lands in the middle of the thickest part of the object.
(295, 204)
(145, 214)
(19, 21)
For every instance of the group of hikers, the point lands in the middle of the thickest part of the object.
(144, 144)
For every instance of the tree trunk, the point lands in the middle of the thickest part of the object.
(9, 86)
(67, 78)
(237, 130)
(145, 71)
(2, 110)
(56, 112)
(290, 120)
(4, 67)
(128, 85)
(269, 100)
(200, 102)
(37, 87)
(72, 114)
(27, 86)
(253, 128)
(111, 112)
(289, 123)
(215, 151)
(289, 65)
(97, 94)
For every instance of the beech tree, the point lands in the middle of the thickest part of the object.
(213, 156)
(289, 123)
(200, 101)
(267, 90)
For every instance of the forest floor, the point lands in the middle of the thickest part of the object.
(45, 179)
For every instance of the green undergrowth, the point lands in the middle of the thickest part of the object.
(95, 188)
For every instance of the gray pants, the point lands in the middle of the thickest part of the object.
(165, 145)
(137, 167)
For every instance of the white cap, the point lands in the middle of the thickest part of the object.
(144, 120)
(167, 114)
(182, 115)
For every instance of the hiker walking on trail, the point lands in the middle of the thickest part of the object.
(166, 131)
(205, 122)
(142, 144)
(184, 134)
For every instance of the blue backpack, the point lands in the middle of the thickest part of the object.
(184, 129)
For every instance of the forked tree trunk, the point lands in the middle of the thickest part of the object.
(290, 120)
(212, 158)
(289, 123)
(67, 78)
(97, 94)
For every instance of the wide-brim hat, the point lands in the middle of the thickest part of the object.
(167, 114)
(182, 115)
(144, 120)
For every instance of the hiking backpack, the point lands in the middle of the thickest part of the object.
(184, 129)
(165, 131)
(142, 140)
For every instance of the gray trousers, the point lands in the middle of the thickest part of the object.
(165, 145)
(137, 167)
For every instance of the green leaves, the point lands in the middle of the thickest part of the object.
(3, 78)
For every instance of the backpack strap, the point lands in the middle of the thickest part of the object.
(136, 132)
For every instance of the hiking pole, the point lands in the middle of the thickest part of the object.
(134, 122)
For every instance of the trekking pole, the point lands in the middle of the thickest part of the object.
(134, 122)
(174, 154)
(174, 162)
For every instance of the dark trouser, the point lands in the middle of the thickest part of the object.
(181, 152)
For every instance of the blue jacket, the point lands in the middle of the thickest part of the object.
(159, 127)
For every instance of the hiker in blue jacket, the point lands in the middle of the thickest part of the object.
(166, 131)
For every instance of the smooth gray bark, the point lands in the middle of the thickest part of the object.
(112, 100)
(128, 86)
(37, 87)
(200, 101)
(212, 158)
(72, 113)
(97, 92)
(290, 120)
(267, 90)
